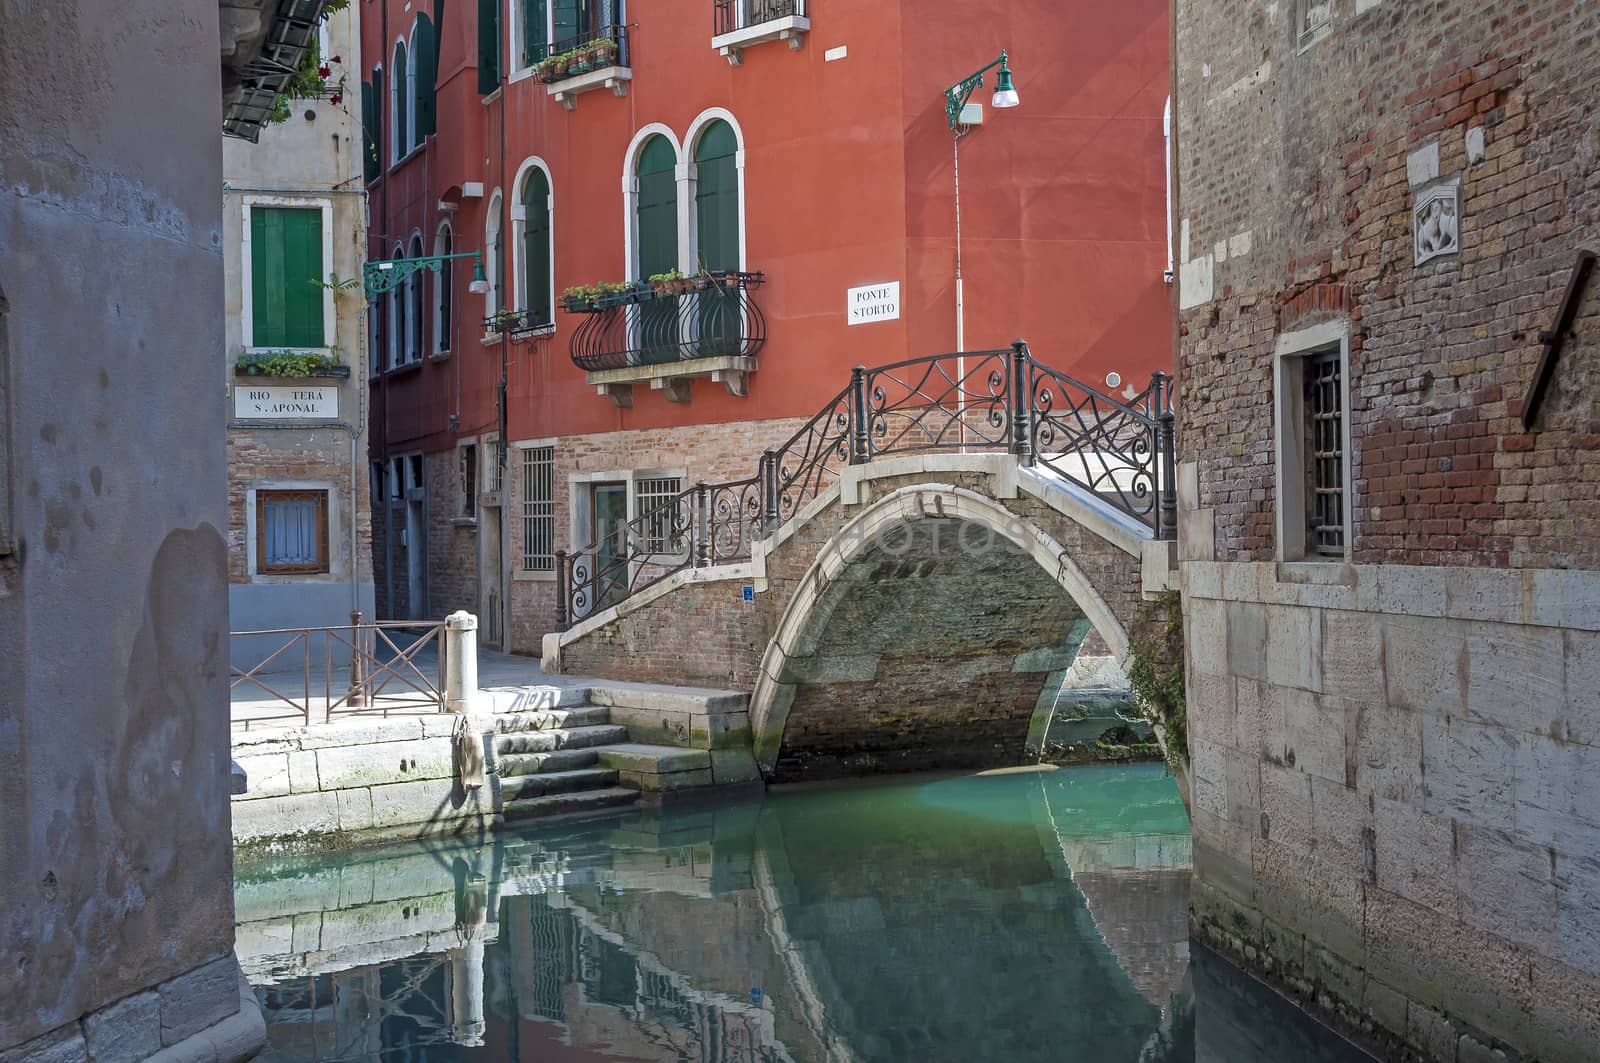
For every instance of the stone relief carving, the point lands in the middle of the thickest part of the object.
(1435, 221)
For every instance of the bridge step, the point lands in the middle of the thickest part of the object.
(513, 764)
(524, 787)
(551, 719)
(561, 738)
(565, 803)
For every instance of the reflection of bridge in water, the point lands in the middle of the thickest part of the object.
(720, 935)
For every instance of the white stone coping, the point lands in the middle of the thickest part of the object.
(778, 29)
(359, 731)
(614, 78)
(1565, 598)
(691, 367)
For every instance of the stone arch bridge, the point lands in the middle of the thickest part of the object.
(904, 583)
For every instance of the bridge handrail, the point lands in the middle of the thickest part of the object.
(998, 399)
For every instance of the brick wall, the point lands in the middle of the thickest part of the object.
(321, 456)
(452, 540)
(1295, 206)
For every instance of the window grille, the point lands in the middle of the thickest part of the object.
(650, 496)
(538, 509)
(1324, 420)
(291, 531)
(469, 480)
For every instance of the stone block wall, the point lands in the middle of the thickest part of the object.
(1395, 801)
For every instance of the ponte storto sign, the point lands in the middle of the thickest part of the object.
(872, 302)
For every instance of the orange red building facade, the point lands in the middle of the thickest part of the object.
(814, 150)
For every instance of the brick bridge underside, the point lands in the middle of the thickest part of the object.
(918, 614)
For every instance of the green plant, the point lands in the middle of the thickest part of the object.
(669, 275)
(337, 286)
(289, 363)
(505, 317)
(1155, 670)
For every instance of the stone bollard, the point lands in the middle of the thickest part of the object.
(461, 695)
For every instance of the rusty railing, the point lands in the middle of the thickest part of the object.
(364, 667)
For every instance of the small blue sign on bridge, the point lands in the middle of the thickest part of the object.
(749, 592)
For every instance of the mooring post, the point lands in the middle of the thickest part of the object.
(356, 696)
(461, 661)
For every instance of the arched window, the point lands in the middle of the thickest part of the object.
(414, 306)
(538, 300)
(494, 247)
(444, 290)
(400, 103)
(658, 207)
(372, 125)
(424, 64)
(716, 198)
(657, 227)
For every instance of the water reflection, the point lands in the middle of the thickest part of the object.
(1020, 917)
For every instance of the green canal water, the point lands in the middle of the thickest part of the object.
(1014, 917)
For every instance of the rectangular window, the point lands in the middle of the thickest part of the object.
(469, 480)
(414, 471)
(291, 532)
(1311, 443)
(538, 509)
(658, 521)
(286, 272)
(1324, 448)
(1313, 19)
(488, 46)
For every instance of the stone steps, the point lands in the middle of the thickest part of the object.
(512, 764)
(523, 787)
(551, 719)
(560, 738)
(561, 804)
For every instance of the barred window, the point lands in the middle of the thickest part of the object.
(538, 509)
(291, 531)
(1313, 18)
(651, 496)
(1324, 449)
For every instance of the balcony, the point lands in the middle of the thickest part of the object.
(740, 24)
(596, 59)
(667, 335)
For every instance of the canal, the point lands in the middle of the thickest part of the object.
(1024, 916)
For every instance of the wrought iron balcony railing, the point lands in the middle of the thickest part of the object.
(1003, 400)
(731, 15)
(718, 318)
(595, 49)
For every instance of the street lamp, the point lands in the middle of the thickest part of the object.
(956, 98)
(384, 274)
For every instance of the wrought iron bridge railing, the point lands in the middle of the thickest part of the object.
(730, 15)
(712, 316)
(366, 666)
(994, 400)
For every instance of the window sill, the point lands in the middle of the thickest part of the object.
(615, 78)
(440, 356)
(520, 576)
(416, 150)
(495, 95)
(403, 369)
(791, 28)
(463, 522)
(491, 338)
(1320, 572)
(673, 378)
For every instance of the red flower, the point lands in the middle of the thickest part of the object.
(335, 59)
(336, 99)
(323, 71)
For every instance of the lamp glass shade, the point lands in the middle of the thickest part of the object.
(1005, 93)
(480, 283)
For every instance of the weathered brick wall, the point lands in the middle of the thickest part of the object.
(452, 541)
(321, 456)
(1295, 206)
(713, 453)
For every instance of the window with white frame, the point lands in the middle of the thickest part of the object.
(375, 340)
(1313, 19)
(662, 524)
(496, 256)
(286, 260)
(399, 103)
(1312, 444)
(414, 314)
(535, 251)
(538, 509)
(291, 531)
(397, 318)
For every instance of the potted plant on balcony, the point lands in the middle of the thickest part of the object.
(603, 52)
(503, 320)
(578, 62)
(579, 299)
(668, 283)
(292, 364)
(550, 68)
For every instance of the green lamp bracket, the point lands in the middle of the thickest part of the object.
(959, 95)
(386, 274)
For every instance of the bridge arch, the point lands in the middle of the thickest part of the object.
(1036, 605)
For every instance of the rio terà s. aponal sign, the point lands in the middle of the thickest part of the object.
(276, 402)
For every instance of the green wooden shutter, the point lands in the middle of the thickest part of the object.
(658, 208)
(402, 101)
(571, 21)
(488, 46)
(535, 31)
(285, 268)
(425, 47)
(717, 198)
(375, 163)
(536, 248)
(369, 140)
